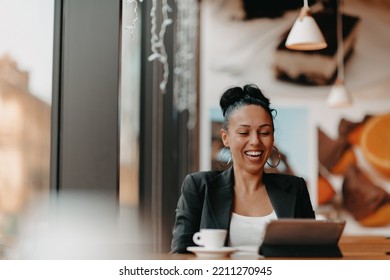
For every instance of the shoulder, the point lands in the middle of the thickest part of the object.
(201, 179)
(208, 179)
(203, 175)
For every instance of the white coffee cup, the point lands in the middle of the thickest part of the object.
(210, 238)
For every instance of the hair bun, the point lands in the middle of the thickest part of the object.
(254, 92)
(231, 96)
(249, 94)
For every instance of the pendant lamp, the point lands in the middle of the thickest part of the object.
(305, 34)
(339, 95)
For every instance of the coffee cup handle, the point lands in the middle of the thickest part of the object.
(197, 238)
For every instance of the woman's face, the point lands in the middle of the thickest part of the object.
(250, 138)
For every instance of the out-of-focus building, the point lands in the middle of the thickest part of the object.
(24, 139)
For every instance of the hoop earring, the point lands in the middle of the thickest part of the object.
(279, 158)
(224, 157)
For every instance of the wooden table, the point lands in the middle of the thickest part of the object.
(365, 247)
(352, 248)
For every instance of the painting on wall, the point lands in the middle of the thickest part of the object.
(354, 171)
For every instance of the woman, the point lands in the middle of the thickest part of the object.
(242, 198)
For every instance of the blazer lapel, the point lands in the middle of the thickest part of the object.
(220, 200)
(282, 202)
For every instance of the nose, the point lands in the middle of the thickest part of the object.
(255, 139)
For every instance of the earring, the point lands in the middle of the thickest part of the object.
(224, 157)
(273, 159)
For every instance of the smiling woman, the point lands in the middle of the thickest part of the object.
(242, 198)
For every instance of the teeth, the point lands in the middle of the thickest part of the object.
(253, 153)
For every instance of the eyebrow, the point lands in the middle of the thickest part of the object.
(263, 125)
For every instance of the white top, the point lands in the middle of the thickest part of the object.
(248, 231)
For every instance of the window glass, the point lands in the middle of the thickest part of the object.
(26, 50)
(130, 104)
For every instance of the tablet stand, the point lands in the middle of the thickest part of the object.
(293, 251)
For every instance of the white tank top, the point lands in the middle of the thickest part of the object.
(248, 231)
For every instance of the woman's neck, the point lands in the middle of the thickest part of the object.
(248, 182)
(250, 195)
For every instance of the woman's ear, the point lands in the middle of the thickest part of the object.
(224, 137)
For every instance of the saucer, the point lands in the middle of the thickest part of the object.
(203, 252)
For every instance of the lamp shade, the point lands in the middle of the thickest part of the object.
(305, 34)
(339, 96)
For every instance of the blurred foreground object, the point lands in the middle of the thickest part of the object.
(80, 225)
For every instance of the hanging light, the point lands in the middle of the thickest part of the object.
(339, 95)
(305, 34)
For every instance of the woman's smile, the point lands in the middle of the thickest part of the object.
(253, 155)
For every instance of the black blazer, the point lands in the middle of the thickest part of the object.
(206, 201)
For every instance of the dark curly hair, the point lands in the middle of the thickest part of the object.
(236, 97)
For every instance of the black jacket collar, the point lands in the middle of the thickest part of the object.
(222, 192)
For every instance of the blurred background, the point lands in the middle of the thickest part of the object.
(106, 105)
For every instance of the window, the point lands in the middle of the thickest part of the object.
(26, 28)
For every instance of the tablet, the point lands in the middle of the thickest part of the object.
(302, 237)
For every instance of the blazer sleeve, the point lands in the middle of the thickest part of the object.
(188, 215)
(304, 208)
